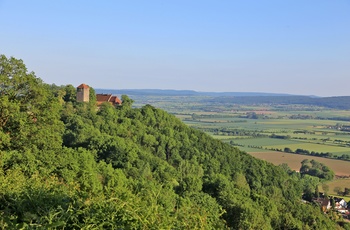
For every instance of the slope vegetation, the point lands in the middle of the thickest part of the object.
(70, 165)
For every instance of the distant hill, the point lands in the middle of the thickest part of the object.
(342, 102)
(171, 92)
(330, 102)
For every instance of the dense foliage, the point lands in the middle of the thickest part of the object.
(65, 164)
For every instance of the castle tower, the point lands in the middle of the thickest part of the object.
(83, 93)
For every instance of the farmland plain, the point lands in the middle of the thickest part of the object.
(278, 133)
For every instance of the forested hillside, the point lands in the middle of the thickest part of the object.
(69, 165)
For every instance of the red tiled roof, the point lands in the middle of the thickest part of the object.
(107, 98)
(116, 100)
(103, 97)
(83, 86)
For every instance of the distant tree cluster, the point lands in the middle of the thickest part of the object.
(280, 136)
(317, 169)
(301, 116)
(317, 154)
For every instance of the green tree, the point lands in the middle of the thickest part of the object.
(70, 94)
(126, 101)
(285, 168)
(190, 177)
(29, 109)
(287, 150)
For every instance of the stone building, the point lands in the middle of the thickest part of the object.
(83, 93)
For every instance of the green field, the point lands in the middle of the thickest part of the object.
(265, 141)
(313, 135)
(272, 143)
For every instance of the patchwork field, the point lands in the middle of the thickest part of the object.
(293, 130)
(293, 144)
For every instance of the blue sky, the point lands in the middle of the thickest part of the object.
(284, 46)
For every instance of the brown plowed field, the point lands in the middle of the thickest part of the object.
(340, 168)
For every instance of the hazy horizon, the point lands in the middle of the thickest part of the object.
(121, 91)
(288, 47)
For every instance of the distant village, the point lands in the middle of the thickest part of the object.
(83, 93)
(327, 203)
